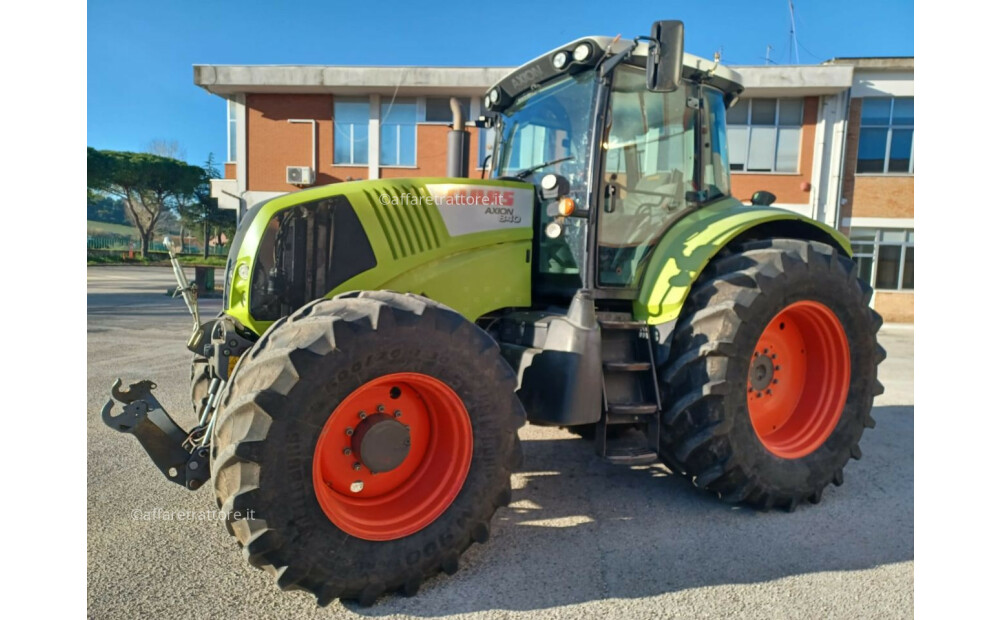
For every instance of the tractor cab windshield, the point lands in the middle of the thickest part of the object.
(548, 130)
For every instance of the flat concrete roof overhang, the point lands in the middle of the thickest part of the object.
(794, 80)
(880, 63)
(758, 81)
(231, 79)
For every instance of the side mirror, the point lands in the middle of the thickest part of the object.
(665, 62)
(762, 198)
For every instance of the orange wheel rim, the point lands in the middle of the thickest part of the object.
(799, 377)
(392, 456)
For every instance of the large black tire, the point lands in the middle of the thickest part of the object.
(706, 429)
(274, 408)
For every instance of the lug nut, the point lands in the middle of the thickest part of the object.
(356, 466)
(362, 415)
(357, 486)
(768, 391)
(398, 413)
(349, 431)
(381, 408)
(775, 382)
(347, 452)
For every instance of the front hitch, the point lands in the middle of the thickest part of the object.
(170, 447)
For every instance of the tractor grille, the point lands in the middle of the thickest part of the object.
(307, 251)
(407, 221)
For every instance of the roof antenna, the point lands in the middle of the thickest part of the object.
(791, 33)
(718, 59)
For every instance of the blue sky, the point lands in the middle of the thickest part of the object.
(139, 54)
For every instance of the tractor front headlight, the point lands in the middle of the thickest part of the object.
(559, 60)
(581, 52)
(494, 96)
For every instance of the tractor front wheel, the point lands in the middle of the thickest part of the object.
(364, 443)
(772, 374)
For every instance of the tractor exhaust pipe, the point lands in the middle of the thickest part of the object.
(458, 143)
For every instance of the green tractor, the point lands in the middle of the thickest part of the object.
(382, 341)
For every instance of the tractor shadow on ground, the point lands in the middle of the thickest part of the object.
(582, 530)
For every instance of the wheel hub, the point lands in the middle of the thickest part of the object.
(761, 373)
(381, 443)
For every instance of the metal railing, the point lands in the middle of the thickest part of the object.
(122, 243)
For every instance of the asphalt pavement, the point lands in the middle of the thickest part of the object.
(582, 538)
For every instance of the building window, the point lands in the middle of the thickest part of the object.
(764, 135)
(350, 131)
(886, 142)
(231, 138)
(884, 257)
(398, 137)
(438, 109)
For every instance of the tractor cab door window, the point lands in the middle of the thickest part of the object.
(649, 169)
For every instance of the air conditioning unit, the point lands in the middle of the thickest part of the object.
(299, 175)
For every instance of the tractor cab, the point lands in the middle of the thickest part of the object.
(608, 130)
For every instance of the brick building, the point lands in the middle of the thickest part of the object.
(832, 141)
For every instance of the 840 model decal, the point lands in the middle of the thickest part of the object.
(468, 208)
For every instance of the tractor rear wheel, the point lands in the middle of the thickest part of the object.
(364, 443)
(772, 374)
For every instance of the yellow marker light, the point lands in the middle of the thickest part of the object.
(232, 363)
(566, 205)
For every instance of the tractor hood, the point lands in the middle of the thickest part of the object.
(463, 242)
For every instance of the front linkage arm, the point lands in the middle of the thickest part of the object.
(161, 437)
(182, 456)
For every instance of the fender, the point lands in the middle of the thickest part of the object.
(686, 249)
